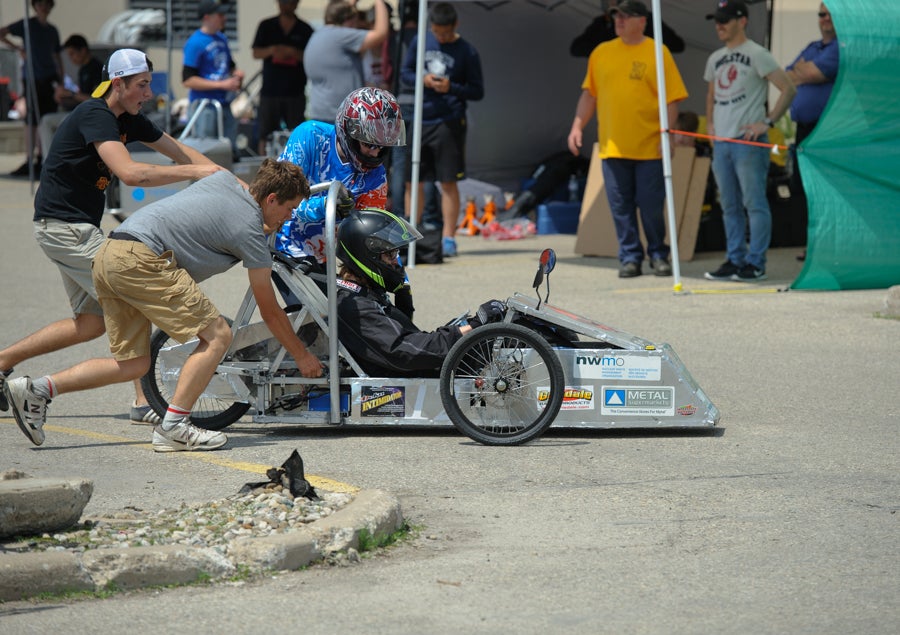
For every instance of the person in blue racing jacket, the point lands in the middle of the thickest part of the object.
(352, 151)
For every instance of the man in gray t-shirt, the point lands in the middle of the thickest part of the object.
(333, 57)
(147, 272)
(739, 76)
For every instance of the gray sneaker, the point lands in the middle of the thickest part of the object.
(4, 403)
(29, 409)
(144, 415)
(186, 437)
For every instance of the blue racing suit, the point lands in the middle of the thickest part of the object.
(313, 147)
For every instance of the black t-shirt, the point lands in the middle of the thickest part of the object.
(74, 178)
(282, 78)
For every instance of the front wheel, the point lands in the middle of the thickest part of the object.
(167, 357)
(502, 384)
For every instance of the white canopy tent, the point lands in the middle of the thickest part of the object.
(532, 83)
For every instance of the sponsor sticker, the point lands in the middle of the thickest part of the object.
(638, 401)
(574, 397)
(382, 401)
(686, 411)
(618, 366)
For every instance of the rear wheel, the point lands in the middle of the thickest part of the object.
(502, 384)
(210, 412)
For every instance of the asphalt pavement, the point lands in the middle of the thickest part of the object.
(782, 520)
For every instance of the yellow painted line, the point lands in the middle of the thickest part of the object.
(205, 457)
(736, 291)
(732, 291)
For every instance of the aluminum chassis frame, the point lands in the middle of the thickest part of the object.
(617, 380)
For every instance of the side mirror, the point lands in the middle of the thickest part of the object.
(545, 265)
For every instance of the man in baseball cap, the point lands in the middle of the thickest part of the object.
(728, 10)
(634, 8)
(205, 7)
(122, 63)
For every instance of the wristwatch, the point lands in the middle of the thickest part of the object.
(768, 122)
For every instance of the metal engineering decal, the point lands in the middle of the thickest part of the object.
(620, 366)
(638, 401)
(574, 397)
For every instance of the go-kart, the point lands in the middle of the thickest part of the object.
(503, 383)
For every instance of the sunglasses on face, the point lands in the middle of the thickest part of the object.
(824, 14)
(724, 20)
(370, 146)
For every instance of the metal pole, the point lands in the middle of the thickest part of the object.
(417, 126)
(168, 109)
(666, 147)
(334, 367)
(31, 101)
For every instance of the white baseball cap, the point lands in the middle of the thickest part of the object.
(122, 63)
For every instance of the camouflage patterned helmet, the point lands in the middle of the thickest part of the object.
(370, 116)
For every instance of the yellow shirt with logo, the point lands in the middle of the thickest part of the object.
(622, 78)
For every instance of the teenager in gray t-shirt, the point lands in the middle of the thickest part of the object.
(209, 227)
(147, 272)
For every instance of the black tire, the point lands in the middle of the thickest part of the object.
(488, 392)
(208, 413)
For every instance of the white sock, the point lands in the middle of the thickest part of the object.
(175, 415)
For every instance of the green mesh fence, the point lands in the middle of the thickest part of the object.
(851, 162)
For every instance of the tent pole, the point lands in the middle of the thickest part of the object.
(666, 146)
(31, 100)
(168, 109)
(417, 126)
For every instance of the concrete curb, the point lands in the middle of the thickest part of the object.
(24, 575)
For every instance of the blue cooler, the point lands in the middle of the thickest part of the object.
(558, 217)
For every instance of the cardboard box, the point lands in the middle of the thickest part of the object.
(596, 232)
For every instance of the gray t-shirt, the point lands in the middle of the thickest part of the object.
(741, 87)
(334, 68)
(210, 226)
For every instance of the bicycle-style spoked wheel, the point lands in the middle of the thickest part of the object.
(502, 384)
(167, 357)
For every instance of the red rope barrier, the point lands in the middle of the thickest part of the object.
(697, 135)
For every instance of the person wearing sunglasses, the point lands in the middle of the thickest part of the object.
(739, 75)
(813, 72)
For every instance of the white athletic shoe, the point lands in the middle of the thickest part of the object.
(186, 437)
(29, 409)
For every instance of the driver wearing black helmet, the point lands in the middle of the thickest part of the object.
(383, 339)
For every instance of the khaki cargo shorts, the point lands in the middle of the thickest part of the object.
(136, 287)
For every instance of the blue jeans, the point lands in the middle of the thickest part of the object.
(207, 124)
(632, 184)
(741, 173)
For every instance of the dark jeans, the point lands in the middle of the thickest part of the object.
(634, 184)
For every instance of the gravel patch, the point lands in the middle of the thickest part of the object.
(262, 512)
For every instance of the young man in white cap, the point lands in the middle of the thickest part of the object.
(87, 150)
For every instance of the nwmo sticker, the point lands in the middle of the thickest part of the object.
(637, 401)
(574, 397)
(618, 366)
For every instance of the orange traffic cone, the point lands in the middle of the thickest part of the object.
(469, 222)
